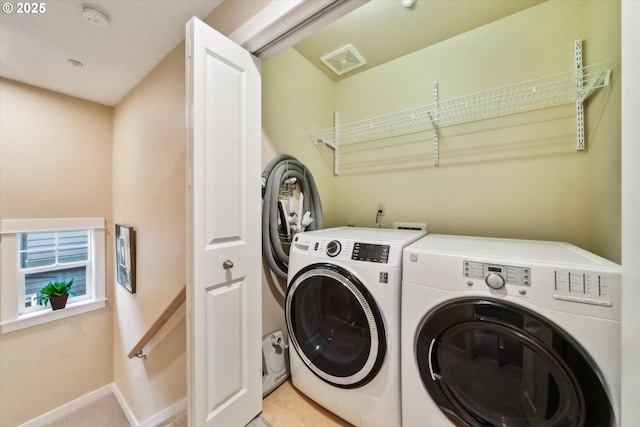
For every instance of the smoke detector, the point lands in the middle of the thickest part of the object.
(95, 16)
(343, 60)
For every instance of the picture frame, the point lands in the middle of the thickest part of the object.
(126, 257)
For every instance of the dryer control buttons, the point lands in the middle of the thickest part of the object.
(587, 287)
(333, 248)
(508, 274)
(494, 280)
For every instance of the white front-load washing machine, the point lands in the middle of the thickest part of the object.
(342, 311)
(500, 332)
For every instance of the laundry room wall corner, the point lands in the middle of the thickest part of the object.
(604, 138)
(526, 163)
(149, 195)
(296, 98)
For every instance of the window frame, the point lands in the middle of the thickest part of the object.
(12, 278)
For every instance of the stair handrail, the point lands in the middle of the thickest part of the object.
(164, 317)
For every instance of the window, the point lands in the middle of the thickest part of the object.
(53, 256)
(35, 252)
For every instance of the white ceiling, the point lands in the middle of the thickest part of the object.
(382, 30)
(35, 48)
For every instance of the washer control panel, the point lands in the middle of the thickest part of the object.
(348, 249)
(370, 252)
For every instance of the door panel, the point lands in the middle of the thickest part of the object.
(223, 158)
(225, 325)
(224, 262)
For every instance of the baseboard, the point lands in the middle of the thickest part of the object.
(89, 398)
(66, 409)
(152, 421)
(124, 405)
(166, 414)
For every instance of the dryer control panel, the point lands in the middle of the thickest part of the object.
(582, 286)
(492, 273)
(587, 287)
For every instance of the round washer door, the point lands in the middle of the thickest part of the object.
(334, 325)
(490, 363)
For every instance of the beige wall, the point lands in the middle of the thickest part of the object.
(149, 195)
(518, 176)
(602, 21)
(55, 161)
(295, 100)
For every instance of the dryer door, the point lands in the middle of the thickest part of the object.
(334, 325)
(490, 363)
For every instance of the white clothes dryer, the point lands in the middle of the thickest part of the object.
(500, 332)
(342, 312)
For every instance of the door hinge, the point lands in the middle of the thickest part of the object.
(189, 48)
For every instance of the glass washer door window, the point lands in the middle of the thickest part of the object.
(335, 326)
(487, 363)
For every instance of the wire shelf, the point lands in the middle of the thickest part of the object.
(553, 90)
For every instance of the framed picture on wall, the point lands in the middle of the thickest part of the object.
(126, 257)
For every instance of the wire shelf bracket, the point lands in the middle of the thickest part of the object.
(436, 126)
(331, 142)
(569, 87)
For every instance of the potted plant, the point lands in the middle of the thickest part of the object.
(55, 292)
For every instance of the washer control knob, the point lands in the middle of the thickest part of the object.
(494, 280)
(333, 248)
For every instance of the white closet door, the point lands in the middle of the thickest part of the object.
(224, 258)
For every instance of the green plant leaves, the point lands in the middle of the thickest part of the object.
(54, 289)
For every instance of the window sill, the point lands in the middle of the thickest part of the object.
(46, 316)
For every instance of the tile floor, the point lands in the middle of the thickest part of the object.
(284, 407)
(287, 407)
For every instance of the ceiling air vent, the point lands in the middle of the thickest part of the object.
(343, 60)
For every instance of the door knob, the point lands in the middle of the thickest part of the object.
(227, 264)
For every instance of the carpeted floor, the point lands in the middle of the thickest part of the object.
(104, 412)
